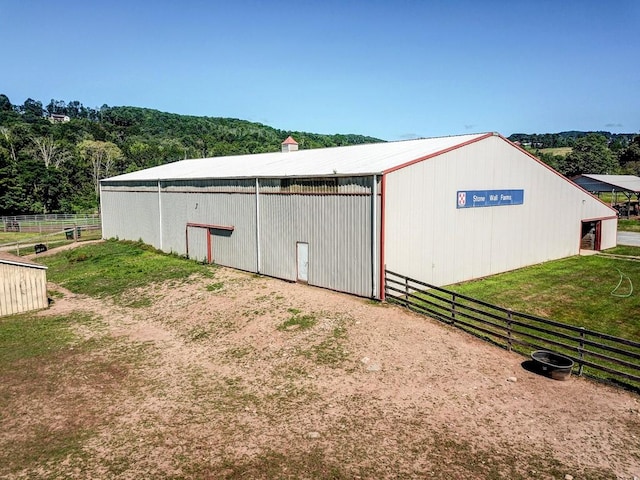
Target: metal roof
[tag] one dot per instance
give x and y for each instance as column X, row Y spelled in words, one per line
column 608, row 183
column 367, row 159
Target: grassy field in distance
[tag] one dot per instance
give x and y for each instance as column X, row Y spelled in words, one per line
column 561, row 151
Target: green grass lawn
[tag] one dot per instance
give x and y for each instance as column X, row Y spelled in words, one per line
column 112, row 267
column 578, row 290
column 628, row 225
column 11, row 237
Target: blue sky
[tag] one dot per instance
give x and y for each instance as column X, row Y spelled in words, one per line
column 389, row 69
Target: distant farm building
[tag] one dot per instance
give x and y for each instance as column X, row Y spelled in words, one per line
column 440, row 210
column 58, row 118
column 625, row 190
column 23, row 285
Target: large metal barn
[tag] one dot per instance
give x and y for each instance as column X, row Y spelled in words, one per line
column 441, row 210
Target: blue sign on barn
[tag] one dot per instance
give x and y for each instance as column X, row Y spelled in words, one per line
column 489, row 198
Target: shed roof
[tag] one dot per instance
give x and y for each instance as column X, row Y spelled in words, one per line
column 9, row 258
column 366, row 159
column 607, row 183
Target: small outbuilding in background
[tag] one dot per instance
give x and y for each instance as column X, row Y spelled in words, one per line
column 23, row 285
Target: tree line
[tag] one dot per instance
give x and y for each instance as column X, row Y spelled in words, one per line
column 53, row 156
column 591, row 152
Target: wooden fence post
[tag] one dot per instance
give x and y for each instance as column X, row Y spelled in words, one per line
column 406, row 288
column 581, row 350
column 509, row 343
column 453, row 309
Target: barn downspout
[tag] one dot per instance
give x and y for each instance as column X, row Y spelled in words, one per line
column 160, row 213
column 374, row 236
column 258, row 259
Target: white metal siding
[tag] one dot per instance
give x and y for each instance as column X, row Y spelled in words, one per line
column 131, row 215
column 428, row 238
column 337, row 229
column 236, row 210
column 609, row 231
column 22, row 289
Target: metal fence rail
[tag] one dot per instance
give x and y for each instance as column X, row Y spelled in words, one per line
column 36, row 243
column 594, row 353
column 46, row 222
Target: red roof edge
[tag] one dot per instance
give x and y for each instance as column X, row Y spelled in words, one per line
column 557, row 173
column 440, row 152
column 289, row 141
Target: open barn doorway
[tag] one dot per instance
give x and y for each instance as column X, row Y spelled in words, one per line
column 590, row 236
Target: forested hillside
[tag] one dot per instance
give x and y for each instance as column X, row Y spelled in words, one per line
column 54, row 164
column 53, row 156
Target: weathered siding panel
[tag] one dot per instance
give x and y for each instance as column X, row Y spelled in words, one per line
column 22, row 289
column 429, row 239
column 131, row 215
column 337, row 229
column 237, row 210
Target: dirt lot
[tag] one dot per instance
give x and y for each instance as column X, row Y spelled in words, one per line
column 251, row 377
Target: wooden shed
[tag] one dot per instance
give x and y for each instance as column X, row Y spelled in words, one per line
column 23, row 285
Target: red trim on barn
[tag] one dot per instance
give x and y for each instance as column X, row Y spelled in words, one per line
column 206, row 225
column 207, row 228
column 557, row 173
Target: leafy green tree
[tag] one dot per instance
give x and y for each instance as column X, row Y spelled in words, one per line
column 32, row 110
column 630, row 158
column 590, row 154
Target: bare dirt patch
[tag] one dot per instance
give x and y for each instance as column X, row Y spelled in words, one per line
column 250, row 377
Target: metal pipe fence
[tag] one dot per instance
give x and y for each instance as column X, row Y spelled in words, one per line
column 595, row 354
column 42, row 242
column 47, row 222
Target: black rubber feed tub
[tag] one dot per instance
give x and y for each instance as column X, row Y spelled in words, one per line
column 553, row 364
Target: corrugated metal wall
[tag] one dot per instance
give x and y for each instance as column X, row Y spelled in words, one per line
column 429, row 239
column 22, row 289
column 337, row 229
column 131, row 215
column 334, row 216
column 236, row 210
